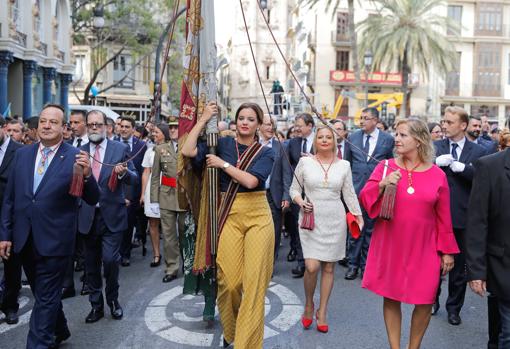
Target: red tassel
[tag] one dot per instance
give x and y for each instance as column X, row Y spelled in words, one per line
column 76, row 189
column 112, row 182
column 308, row 221
column 388, row 202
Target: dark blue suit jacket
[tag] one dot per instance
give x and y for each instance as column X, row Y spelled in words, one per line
column 51, row 213
column 490, row 146
column 5, row 167
column 281, row 174
column 360, row 167
column 134, row 189
column 460, row 183
column 112, row 205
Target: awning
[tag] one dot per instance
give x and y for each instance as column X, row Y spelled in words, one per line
column 128, row 99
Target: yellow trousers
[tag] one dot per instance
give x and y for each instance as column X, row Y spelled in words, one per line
column 245, row 265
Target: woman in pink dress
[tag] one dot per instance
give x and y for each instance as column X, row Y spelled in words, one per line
column 408, row 252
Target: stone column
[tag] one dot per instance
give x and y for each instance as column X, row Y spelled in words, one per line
column 65, row 80
column 49, row 76
column 28, row 71
column 5, row 59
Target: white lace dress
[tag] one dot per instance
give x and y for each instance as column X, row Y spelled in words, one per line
column 327, row 241
column 151, row 209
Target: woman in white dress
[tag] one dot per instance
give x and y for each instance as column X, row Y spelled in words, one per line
column 160, row 134
column 326, row 180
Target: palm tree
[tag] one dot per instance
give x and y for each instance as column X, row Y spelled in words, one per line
column 408, row 34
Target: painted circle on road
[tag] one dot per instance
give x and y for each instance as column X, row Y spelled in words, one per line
column 177, row 318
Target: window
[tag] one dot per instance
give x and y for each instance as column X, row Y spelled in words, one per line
column 490, row 110
column 487, row 70
column 342, row 26
column 79, row 67
column 489, row 19
column 268, row 71
column 455, row 14
column 122, row 70
column 342, row 60
column 453, row 79
column 16, row 15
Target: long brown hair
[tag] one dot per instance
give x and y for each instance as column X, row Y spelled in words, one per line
column 253, row 106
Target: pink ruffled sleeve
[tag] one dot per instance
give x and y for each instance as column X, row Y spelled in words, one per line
column 446, row 243
column 369, row 196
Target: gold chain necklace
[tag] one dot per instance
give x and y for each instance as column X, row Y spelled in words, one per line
column 325, row 182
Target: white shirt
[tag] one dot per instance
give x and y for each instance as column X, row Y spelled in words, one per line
column 460, row 147
column 175, row 144
column 3, row 148
column 374, row 136
column 309, row 142
column 51, row 155
column 84, row 140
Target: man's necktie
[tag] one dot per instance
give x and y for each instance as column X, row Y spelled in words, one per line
column 176, row 146
column 305, row 147
column 96, row 165
column 127, row 142
column 339, row 151
column 454, row 151
column 366, row 146
column 78, row 142
column 41, row 167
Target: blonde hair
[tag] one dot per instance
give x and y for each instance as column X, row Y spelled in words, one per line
column 504, row 138
column 420, row 133
column 322, row 127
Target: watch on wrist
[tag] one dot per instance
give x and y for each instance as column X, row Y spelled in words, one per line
column 226, row 165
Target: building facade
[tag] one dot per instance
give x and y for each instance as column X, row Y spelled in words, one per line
column 481, row 81
column 35, row 55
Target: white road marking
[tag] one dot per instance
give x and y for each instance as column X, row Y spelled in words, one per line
column 182, row 336
column 287, row 318
column 23, row 319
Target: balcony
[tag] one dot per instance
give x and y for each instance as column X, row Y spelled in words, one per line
column 346, row 77
column 340, row 39
column 486, row 90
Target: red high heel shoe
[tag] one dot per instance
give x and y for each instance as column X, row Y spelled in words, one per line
column 321, row 328
column 306, row 322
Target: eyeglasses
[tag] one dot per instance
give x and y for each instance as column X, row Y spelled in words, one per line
column 94, row 125
column 367, row 118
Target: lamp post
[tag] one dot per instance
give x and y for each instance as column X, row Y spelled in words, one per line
column 368, row 65
column 98, row 23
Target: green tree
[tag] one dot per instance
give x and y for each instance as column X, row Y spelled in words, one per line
column 410, row 36
column 132, row 26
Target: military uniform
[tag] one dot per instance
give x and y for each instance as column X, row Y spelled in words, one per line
column 164, row 191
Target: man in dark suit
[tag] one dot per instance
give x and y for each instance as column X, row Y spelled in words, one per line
column 379, row 145
column 473, row 134
column 297, row 147
column 12, row 267
column 103, row 225
column 38, row 215
column 137, row 149
column 487, row 237
column 343, row 149
column 455, row 155
column 277, row 184
column 78, row 126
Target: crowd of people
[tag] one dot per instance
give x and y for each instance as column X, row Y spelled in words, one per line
column 327, row 189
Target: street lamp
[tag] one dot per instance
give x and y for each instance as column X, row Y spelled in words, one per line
column 263, row 4
column 368, row 65
column 98, row 21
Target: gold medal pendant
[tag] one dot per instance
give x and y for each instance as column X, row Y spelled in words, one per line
column 40, row 170
column 325, row 184
column 410, row 190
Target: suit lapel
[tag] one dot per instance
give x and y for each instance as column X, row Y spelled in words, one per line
column 55, row 164
column 466, row 152
column 9, row 154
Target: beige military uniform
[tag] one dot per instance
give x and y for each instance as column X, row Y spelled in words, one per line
column 172, row 217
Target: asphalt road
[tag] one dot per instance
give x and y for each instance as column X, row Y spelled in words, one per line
column 157, row 315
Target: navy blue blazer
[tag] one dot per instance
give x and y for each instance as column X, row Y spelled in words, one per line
column 360, row 167
column 460, row 183
column 134, row 189
column 5, row 168
column 490, row 146
column 281, row 174
column 50, row 214
column 112, row 205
